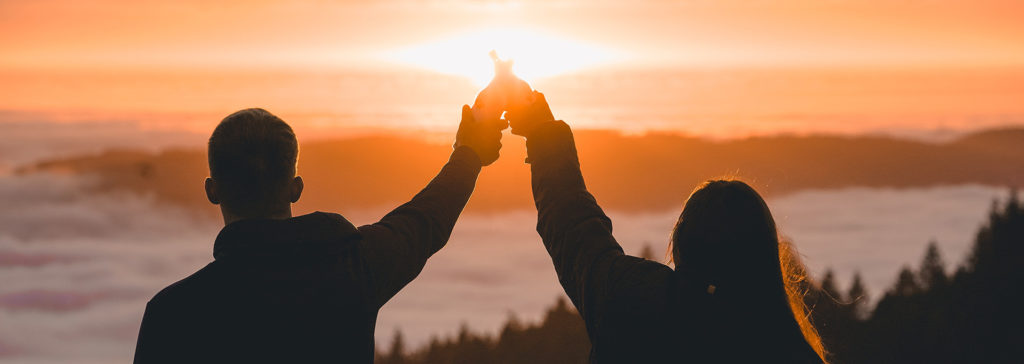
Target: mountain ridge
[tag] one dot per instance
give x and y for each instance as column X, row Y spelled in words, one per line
column 655, row 171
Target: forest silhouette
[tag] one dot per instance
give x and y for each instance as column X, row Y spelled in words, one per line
column 970, row 314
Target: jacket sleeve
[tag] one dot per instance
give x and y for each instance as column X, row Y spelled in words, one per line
column 576, row 232
column 397, row 247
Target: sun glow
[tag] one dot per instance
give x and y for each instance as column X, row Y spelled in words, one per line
column 536, row 54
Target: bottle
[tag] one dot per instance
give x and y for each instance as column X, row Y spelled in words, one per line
column 505, row 92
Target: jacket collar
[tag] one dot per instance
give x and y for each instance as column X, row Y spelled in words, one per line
column 313, row 234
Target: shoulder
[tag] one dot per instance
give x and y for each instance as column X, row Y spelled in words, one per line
column 187, row 288
column 324, row 228
column 330, row 219
column 641, row 287
column 642, row 275
column 637, row 322
column 328, row 216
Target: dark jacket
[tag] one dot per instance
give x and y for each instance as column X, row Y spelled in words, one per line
column 305, row 289
column 635, row 310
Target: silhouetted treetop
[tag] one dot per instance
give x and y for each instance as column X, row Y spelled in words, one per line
column 932, row 274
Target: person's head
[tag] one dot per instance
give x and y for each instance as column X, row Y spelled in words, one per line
column 252, row 156
column 726, row 237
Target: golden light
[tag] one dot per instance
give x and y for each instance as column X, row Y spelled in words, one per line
column 536, row 54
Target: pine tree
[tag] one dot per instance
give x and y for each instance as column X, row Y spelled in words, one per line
column 512, row 325
column 828, row 285
column 932, row 274
column 396, row 354
column 647, row 252
column 906, row 284
column 826, row 312
column 858, row 296
column 1013, row 202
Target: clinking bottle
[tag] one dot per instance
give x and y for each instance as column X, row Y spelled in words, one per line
column 505, row 92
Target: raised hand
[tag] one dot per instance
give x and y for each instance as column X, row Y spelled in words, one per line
column 524, row 120
column 482, row 138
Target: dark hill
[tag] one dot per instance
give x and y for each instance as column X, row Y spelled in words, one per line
column 649, row 172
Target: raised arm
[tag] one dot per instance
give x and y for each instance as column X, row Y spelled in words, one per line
column 575, row 231
column 397, row 247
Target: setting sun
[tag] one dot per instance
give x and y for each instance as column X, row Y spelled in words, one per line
column 536, row 54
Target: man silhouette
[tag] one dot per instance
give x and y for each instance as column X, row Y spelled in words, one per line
column 306, row 288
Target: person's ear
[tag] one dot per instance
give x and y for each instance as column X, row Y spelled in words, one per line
column 211, row 191
column 296, row 189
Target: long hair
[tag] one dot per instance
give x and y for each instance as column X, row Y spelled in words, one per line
column 726, row 240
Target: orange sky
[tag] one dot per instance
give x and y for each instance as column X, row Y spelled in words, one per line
column 851, row 66
column 108, row 33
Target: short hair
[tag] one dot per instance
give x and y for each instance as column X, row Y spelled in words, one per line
column 252, row 155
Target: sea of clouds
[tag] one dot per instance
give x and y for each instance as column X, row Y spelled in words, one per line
column 77, row 268
column 27, row 137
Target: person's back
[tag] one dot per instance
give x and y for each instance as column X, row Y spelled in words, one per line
column 726, row 300
column 651, row 313
column 279, row 290
column 306, row 288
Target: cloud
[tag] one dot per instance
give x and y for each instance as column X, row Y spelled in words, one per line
column 877, row 231
column 32, row 136
column 44, row 300
column 15, row 259
column 78, row 267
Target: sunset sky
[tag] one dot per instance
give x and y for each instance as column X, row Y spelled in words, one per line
column 107, row 33
column 337, row 61
column 872, row 126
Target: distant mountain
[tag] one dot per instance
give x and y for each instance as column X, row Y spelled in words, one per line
column 648, row 172
column 1007, row 140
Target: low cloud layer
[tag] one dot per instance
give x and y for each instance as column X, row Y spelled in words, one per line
column 27, row 137
column 78, row 267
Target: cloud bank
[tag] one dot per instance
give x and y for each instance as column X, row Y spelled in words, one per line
column 78, row 267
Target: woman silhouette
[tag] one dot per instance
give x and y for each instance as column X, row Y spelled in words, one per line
column 733, row 296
